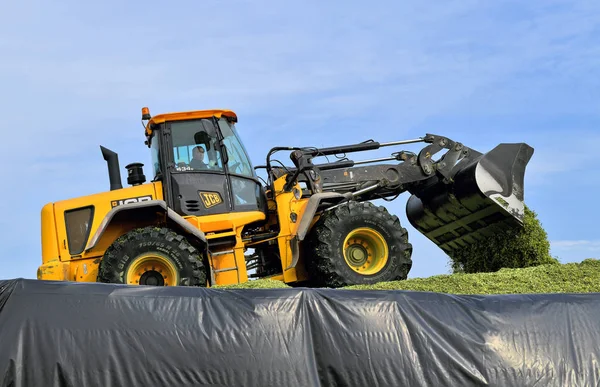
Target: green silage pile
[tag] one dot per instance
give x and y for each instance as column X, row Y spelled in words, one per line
column 510, row 263
column 583, row 277
column 256, row 284
column 522, row 247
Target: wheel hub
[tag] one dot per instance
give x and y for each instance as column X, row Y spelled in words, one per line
column 365, row 251
column 357, row 255
column 152, row 270
column 152, row 278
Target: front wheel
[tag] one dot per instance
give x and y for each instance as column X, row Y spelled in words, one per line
column 357, row 244
column 154, row 256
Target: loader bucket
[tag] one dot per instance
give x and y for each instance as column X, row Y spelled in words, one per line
column 485, row 197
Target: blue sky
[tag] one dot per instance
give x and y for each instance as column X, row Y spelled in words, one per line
column 75, row 75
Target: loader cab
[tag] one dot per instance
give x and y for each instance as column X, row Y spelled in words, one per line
column 202, row 163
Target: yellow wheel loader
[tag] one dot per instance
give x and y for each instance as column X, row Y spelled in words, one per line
column 206, row 218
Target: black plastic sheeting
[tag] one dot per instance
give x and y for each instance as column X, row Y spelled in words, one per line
column 77, row 334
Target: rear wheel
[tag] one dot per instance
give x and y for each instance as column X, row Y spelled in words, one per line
column 154, row 256
column 357, row 243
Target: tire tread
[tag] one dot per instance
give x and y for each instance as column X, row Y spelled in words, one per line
column 324, row 263
column 109, row 272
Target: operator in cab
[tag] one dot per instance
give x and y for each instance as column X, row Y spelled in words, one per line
column 197, row 161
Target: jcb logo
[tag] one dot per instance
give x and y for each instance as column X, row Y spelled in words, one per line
column 210, row 199
column 138, row 199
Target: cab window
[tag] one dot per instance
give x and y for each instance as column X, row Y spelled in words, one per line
column 78, row 223
column 155, row 157
column 195, row 146
column 238, row 162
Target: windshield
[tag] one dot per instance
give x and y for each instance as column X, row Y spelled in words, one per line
column 238, row 157
column 196, row 147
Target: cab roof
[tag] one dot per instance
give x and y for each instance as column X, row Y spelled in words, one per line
column 188, row 115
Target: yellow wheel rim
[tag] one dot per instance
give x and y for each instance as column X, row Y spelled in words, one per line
column 152, row 269
column 365, row 251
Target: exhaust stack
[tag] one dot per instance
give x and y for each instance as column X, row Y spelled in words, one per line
column 112, row 161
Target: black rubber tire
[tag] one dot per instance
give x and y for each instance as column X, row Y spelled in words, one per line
column 185, row 257
column 324, row 257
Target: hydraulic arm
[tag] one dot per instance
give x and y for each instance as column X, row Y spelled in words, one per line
column 457, row 198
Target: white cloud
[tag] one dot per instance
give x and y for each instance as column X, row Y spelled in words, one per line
column 422, row 62
column 585, row 245
column 566, row 157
